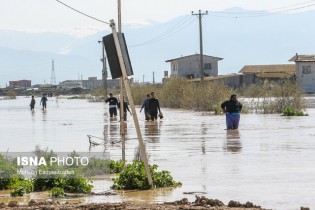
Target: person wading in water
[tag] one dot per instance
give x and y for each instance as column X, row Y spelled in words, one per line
column 113, row 103
column 32, row 103
column 154, row 107
column 126, row 108
column 43, row 101
column 145, row 105
column 232, row 109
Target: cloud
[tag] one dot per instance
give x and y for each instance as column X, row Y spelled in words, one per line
column 78, row 32
column 65, row 50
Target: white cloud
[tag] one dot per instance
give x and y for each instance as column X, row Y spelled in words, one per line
column 51, row 16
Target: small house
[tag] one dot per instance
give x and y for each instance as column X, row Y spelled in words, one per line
column 305, row 72
column 189, row 66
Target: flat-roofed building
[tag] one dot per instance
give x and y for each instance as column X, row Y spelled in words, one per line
column 20, row 84
column 271, row 72
column 305, row 72
column 189, row 66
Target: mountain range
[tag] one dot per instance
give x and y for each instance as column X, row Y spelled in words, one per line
column 240, row 40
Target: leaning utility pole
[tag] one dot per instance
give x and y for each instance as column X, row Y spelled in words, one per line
column 143, row 152
column 201, row 48
column 122, row 120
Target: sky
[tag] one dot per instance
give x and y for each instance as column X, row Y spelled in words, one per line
column 52, row 16
column 35, row 16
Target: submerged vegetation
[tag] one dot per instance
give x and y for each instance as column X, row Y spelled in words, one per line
column 180, row 93
column 264, row 98
column 134, row 177
column 11, row 94
column 79, row 181
column 272, row 98
column 289, row 111
column 130, row 176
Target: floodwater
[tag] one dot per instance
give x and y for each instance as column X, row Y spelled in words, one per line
column 268, row 161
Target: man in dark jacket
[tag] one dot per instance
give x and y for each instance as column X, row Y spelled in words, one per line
column 113, row 103
column 154, row 107
column 232, row 109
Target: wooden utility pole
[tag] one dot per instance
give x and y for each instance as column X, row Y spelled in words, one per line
column 201, row 45
column 122, row 120
column 104, row 72
column 153, row 78
column 119, row 16
column 144, row 156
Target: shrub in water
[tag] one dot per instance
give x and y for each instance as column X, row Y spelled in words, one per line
column 289, row 111
column 273, row 97
column 116, row 166
column 21, row 187
column 57, row 192
column 8, row 169
column 134, row 177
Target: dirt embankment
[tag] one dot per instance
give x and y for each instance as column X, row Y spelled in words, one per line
column 200, row 203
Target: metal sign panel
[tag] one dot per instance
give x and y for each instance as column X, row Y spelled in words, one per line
column 112, row 56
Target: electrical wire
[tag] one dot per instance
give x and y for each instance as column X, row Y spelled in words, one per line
column 83, row 13
column 260, row 13
column 171, row 31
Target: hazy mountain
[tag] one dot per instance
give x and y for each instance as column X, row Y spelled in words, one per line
column 267, row 39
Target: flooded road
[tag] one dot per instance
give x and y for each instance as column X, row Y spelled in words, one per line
column 268, row 161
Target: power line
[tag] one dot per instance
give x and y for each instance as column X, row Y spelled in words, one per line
column 179, row 23
column 260, row 13
column 280, row 12
column 263, row 11
column 183, row 23
column 83, row 13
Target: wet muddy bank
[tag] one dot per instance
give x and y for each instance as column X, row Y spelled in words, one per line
column 199, row 203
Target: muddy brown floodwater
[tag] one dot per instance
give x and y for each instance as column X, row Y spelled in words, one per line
column 268, row 161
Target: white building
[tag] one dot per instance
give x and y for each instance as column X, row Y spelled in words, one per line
column 305, row 72
column 189, row 66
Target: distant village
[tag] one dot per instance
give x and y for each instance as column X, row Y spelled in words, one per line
column 302, row 70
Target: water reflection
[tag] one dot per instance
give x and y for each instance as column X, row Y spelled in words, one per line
column 152, row 131
column 105, row 133
column 112, row 131
column 204, row 130
column 147, row 195
column 44, row 115
column 233, row 143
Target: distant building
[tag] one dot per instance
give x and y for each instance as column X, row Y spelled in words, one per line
column 254, row 74
column 232, row 80
column 69, row 84
column 20, row 84
column 189, row 66
column 305, row 72
column 270, row 72
column 114, row 83
column 90, row 83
